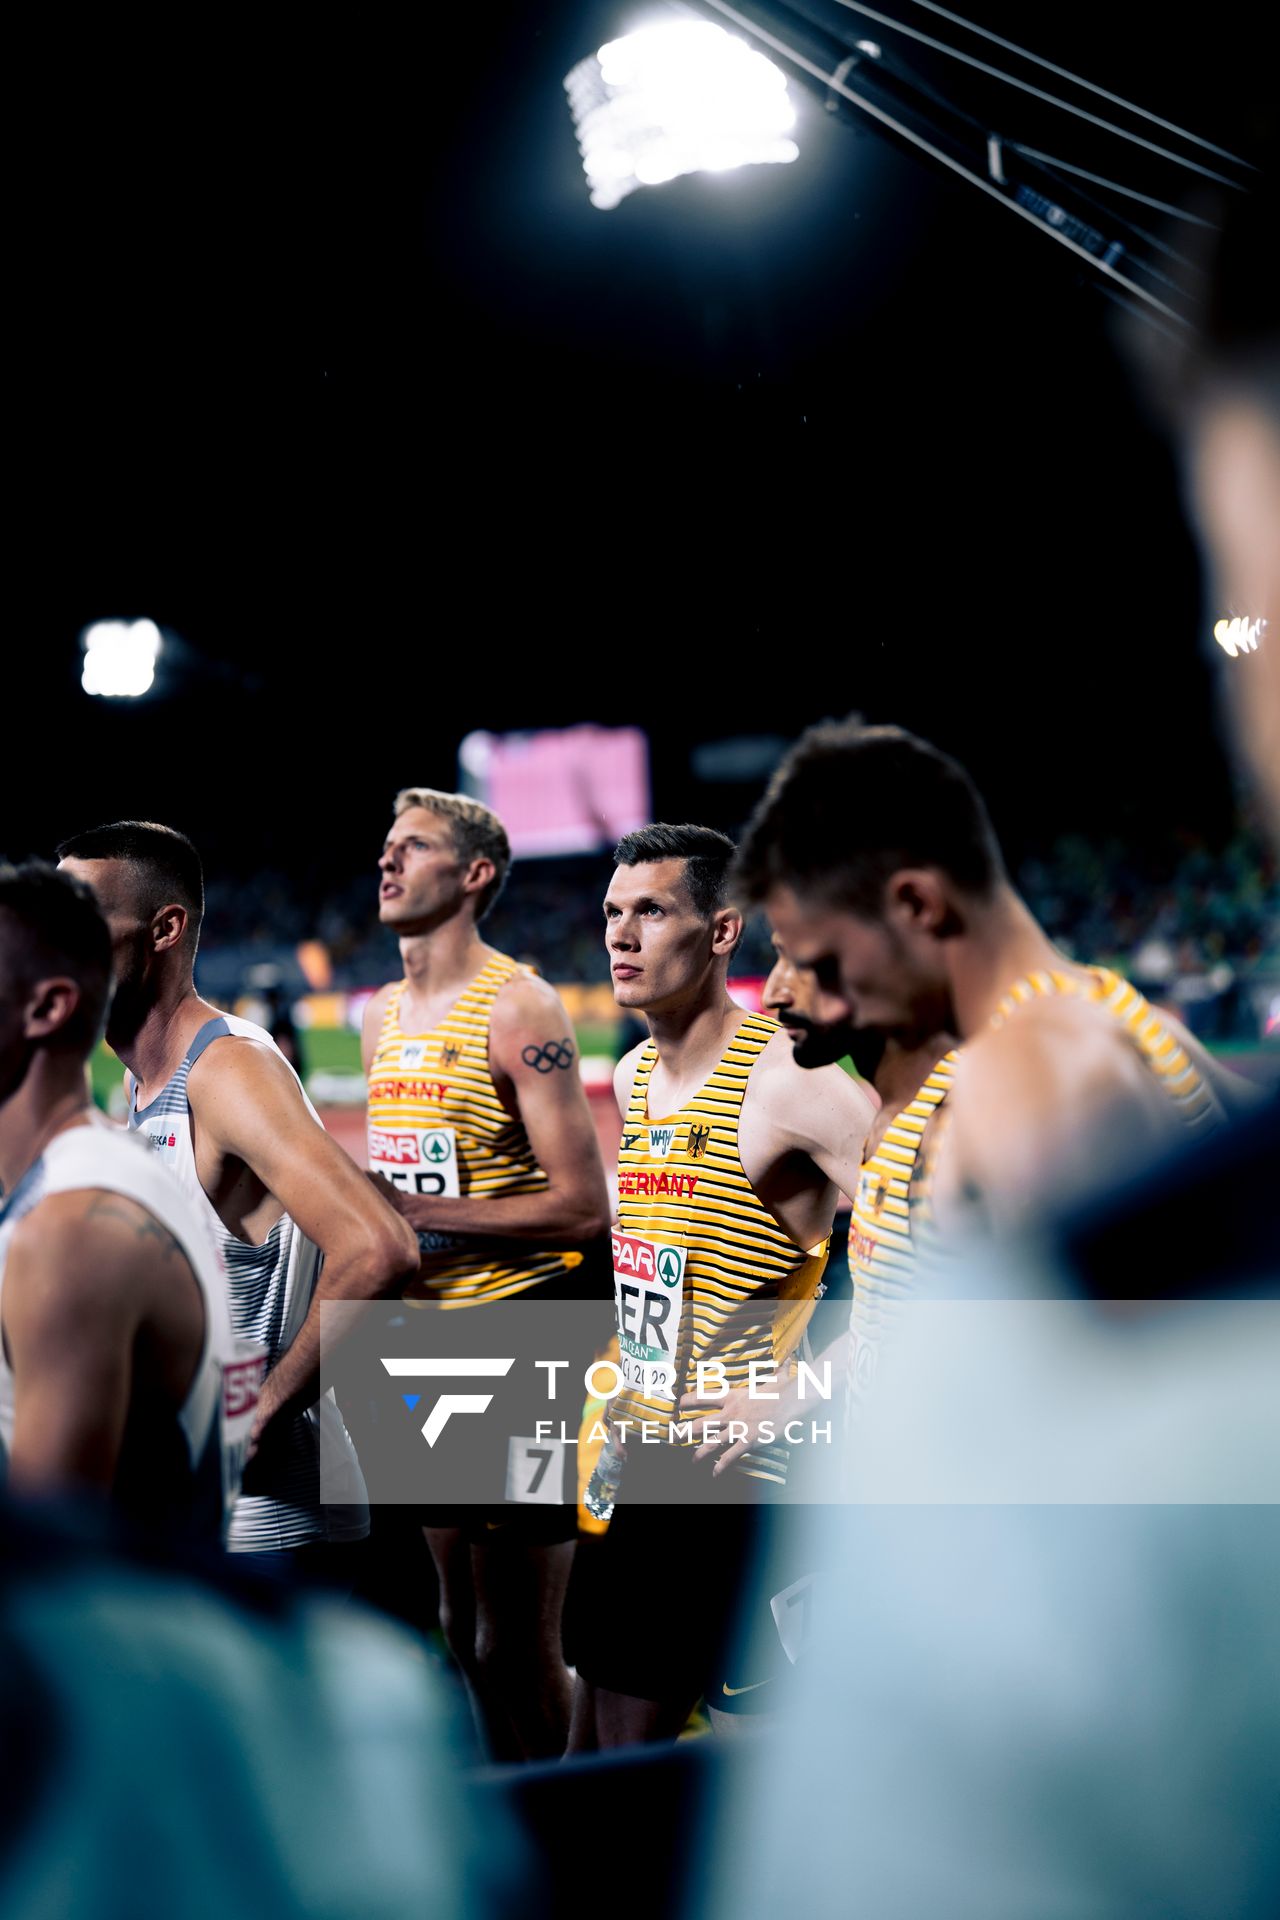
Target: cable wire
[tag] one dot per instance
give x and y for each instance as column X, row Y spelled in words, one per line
column 1077, row 80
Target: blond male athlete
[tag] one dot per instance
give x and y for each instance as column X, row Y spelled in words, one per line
column 480, row 1133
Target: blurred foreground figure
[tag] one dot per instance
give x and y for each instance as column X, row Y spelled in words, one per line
column 226, row 1114
column 113, row 1302
column 1074, row 1708
column 874, row 857
column 191, row 1752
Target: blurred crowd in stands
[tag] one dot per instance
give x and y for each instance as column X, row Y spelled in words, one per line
column 1189, row 923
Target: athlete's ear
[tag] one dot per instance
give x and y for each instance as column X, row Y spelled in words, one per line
column 479, row 874
column 916, row 901
column 726, row 931
column 49, row 1007
column 168, row 925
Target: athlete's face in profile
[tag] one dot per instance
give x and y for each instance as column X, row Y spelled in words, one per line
column 421, row 873
column 660, row 948
column 791, row 996
column 862, row 972
column 115, row 887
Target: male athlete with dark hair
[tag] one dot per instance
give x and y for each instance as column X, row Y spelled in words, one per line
column 877, row 863
column 912, row 1076
column 728, row 1174
column 114, row 1329
column 479, row 1120
column 227, row 1113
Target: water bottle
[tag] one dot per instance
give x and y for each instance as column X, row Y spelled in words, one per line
column 602, row 1488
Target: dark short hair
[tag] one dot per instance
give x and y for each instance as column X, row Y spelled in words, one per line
column 707, row 857
column 50, row 923
column 851, row 805
column 167, row 864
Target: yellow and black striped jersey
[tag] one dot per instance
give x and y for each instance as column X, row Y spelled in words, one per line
column 1195, row 1101
column 884, row 1230
column 702, row 1270
column 437, row 1126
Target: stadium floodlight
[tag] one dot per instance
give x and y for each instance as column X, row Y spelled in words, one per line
column 119, row 657
column 1239, row 635
column 676, row 97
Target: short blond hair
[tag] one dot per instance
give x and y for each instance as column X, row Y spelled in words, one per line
column 478, row 834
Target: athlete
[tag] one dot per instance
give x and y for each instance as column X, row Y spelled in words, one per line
column 911, row 1076
column 226, row 1112
column 113, row 1302
column 728, row 1174
column 878, row 866
column 473, row 1075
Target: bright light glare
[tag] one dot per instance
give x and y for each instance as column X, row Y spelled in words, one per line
column 682, row 97
column 120, row 657
column 1239, row 635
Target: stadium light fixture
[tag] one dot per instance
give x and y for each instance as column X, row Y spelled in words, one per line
column 1239, row 634
column 119, row 657
column 676, row 97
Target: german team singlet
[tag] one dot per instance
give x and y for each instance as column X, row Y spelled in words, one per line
column 1197, row 1105
column 437, row 1126
column 884, row 1231
column 702, row 1270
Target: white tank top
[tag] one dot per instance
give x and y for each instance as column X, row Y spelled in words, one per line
column 181, row 1494
column 271, row 1288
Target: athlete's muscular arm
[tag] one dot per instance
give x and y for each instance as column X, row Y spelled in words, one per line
column 1043, row 1108
column 246, row 1103
column 532, row 1052
column 79, row 1275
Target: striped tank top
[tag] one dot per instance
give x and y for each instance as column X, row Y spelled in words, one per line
column 437, row 1126
column 702, row 1270
column 885, row 1229
column 270, row 1291
column 1196, row 1103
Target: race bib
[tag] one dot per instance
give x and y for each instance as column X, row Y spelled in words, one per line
column 535, row 1472
column 417, row 1159
column 648, row 1288
column 242, row 1379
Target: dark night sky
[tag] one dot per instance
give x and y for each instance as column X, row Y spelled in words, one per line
column 325, row 362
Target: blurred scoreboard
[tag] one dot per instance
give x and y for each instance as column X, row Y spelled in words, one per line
column 567, row 790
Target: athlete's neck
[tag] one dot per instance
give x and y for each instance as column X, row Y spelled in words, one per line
column 155, row 1052
column 445, row 960
column 903, row 1070
column 54, row 1094
column 1002, row 942
column 690, row 1038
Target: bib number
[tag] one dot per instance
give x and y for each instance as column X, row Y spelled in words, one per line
column 648, row 1291
column 242, row 1378
column 417, row 1159
column 535, row 1472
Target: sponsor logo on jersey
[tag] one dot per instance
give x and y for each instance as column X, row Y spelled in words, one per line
column 680, row 1185
column 400, row 1149
column 433, row 1090
column 161, row 1141
column 413, row 1053
column 648, row 1259
column 660, row 1139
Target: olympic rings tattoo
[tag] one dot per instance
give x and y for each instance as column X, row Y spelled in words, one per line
column 557, row 1053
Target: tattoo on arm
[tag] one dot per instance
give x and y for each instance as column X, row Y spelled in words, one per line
column 144, row 1226
column 557, row 1053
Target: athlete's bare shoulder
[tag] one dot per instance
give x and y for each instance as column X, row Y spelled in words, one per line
column 624, row 1076
column 371, row 1020
column 90, row 1249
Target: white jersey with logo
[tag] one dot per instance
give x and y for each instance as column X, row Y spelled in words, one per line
column 271, row 1289
column 177, row 1491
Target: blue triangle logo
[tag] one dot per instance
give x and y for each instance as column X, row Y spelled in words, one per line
column 411, row 1400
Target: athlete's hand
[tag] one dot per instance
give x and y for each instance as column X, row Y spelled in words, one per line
column 720, row 1411
column 413, row 1207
